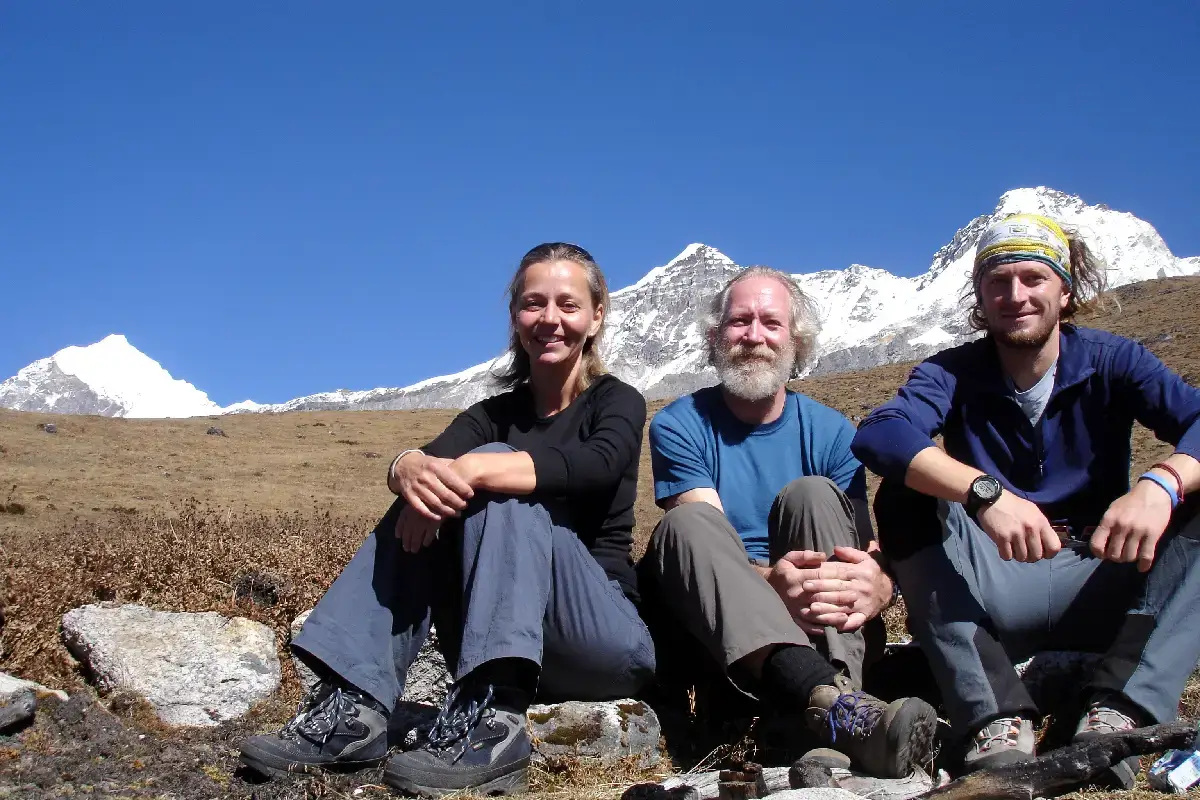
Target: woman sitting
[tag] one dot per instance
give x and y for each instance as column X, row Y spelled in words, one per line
column 512, row 534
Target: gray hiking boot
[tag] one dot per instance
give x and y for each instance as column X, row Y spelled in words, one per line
column 887, row 740
column 1111, row 715
column 471, row 746
column 335, row 728
column 1007, row 740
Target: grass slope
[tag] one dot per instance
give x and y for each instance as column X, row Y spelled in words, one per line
column 257, row 523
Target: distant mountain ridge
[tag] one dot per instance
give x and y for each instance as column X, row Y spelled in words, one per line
column 654, row 338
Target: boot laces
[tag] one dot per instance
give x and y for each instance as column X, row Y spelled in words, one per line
column 853, row 713
column 456, row 720
column 321, row 711
column 1005, row 731
column 1106, row 719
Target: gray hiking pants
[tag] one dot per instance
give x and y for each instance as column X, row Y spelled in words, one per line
column 504, row 582
column 975, row 615
column 702, row 576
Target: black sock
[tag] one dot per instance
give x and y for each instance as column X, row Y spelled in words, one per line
column 513, row 680
column 793, row 671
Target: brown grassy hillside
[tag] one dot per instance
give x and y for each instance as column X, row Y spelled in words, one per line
column 162, row 513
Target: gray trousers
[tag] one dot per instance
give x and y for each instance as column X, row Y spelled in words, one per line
column 504, row 582
column 975, row 615
column 703, row 577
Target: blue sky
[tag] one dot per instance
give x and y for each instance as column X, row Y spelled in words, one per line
column 274, row 199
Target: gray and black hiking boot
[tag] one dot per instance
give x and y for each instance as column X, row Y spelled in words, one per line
column 335, row 728
column 1007, row 740
column 887, row 740
column 1111, row 715
column 471, row 745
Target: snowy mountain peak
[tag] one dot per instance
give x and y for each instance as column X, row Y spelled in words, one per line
column 110, row 377
column 655, row 336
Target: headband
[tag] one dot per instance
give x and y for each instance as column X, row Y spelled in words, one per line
column 1025, row 237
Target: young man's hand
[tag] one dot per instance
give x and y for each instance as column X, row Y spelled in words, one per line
column 1019, row 529
column 1132, row 526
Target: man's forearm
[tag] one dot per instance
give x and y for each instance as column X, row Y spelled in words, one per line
column 932, row 472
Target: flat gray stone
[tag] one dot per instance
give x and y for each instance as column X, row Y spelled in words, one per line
column 605, row 731
column 10, row 685
column 775, row 783
column 815, row 794
column 195, row 669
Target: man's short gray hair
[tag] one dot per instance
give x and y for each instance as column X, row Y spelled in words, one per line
column 803, row 318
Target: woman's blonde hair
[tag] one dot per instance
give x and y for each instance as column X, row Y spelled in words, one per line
column 1089, row 282
column 518, row 369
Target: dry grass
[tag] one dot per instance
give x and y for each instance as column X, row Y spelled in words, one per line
column 160, row 513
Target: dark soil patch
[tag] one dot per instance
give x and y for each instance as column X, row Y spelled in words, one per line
column 81, row 748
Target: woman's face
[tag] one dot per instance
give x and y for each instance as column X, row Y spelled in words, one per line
column 555, row 314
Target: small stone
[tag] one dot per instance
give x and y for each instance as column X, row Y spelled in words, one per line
column 605, row 731
column 215, row 431
column 50, row 427
column 17, row 709
column 10, row 685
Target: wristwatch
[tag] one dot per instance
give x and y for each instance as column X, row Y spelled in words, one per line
column 984, row 491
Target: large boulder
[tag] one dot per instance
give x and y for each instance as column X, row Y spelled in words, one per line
column 427, row 681
column 604, row 731
column 195, row 669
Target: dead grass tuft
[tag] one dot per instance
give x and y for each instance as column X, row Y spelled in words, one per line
column 267, row 567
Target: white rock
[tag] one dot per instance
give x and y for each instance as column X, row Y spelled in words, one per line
column 815, row 794
column 194, row 669
column 10, row 685
column 605, row 731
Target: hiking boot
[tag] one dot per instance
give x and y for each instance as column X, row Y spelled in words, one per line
column 887, row 740
column 1111, row 715
column 471, row 745
column 336, row 728
column 1007, row 740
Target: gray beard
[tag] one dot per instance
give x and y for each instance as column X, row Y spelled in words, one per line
column 754, row 379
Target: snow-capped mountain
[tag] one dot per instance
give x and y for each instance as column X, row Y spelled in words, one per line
column 654, row 338
column 111, row 378
column 869, row 316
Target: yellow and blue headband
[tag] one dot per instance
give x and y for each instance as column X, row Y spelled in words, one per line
column 1025, row 237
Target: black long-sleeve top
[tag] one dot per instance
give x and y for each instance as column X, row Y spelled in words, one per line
column 585, row 460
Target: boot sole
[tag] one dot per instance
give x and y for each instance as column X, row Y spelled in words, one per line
column 910, row 738
column 278, row 767
column 511, row 783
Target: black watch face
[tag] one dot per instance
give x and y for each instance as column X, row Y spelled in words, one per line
column 986, row 488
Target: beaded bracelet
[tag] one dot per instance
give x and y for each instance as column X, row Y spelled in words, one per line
column 1161, row 481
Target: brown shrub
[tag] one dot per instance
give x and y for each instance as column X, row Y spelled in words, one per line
column 265, row 566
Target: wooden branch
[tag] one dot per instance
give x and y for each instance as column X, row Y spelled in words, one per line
column 1065, row 768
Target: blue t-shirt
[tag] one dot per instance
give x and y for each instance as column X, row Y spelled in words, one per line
column 696, row 442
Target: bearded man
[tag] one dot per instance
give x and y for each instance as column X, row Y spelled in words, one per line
column 762, row 494
column 1023, row 534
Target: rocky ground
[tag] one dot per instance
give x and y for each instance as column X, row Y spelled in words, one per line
column 256, row 523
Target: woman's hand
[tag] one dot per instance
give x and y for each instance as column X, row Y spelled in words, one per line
column 433, row 491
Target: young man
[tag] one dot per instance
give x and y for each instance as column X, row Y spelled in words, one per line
column 760, row 489
column 1024, row 533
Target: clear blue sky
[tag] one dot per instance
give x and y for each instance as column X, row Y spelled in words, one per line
column 274, row 199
